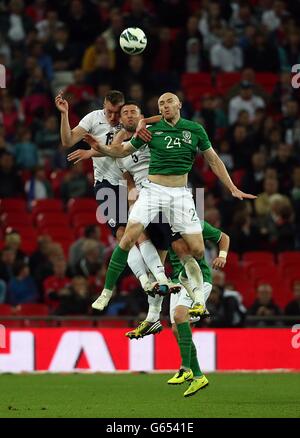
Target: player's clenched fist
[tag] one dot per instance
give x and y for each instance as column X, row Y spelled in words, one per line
column 61, row 103
column 219, row 263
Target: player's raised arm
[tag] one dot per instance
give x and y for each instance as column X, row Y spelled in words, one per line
column 219, row 169
column 220, row 261
column 69, row 136
column 142, row 131
column 116, row 150
column 83, row 154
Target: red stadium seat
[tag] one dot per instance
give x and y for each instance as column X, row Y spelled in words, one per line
column 190, row 80
column 59, row 233
column 56, row 179
column 105, row 233
column 258, row 256
column 33, row 310
column 27, row 232
column 5, row 310
column 50, row 219
column 80, row 205
column 84, row 219
column 29, row 246
column 12, row 204
column 233, row 258
column 46, row 205
column 288, row 257
column 16, row 218
column 267, row 81
column 225, row 81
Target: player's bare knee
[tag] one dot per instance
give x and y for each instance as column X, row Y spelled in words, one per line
column 198, row 253
column 174, row 330
column 120, row 233
column 180, row 315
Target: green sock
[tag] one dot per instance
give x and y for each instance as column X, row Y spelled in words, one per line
column 194, row 362
column 185, row 343
column 116, row 266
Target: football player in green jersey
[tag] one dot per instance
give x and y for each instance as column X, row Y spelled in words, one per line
column 173, row 147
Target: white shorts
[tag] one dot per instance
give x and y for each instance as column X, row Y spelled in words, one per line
column 176, row 203
column 183, row 299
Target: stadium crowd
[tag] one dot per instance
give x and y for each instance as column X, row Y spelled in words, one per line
column 240, row 56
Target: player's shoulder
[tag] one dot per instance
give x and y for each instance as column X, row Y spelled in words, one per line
column 192, row 125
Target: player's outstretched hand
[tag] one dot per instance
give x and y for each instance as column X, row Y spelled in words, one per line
column 142, row 131
column 61, row 103
column 219, row 263
column 236, row 193
column 79, row 155
column 92, row 141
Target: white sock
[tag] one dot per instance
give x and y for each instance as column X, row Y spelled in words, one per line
column 153, row 262
column 137, row 265
column 154, row 308
column 195, row 278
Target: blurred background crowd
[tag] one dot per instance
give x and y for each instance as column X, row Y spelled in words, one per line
column 229, row 62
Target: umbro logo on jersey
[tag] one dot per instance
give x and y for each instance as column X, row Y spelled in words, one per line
column 158, row 132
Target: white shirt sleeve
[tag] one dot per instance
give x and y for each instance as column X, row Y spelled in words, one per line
column 86, row 122
column 234, row 109
column 215, row 53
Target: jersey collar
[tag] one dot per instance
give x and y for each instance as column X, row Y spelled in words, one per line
column 173, row 126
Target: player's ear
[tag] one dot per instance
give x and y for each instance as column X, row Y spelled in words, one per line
column 179, row 105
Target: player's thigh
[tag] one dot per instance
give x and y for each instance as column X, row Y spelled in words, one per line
column 182, row 212
column 182, row 299
column 180, row 247
column 146, row 207
column 132, row 232
column 195, row 244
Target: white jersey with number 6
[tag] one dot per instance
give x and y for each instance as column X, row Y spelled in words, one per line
column 95, row 123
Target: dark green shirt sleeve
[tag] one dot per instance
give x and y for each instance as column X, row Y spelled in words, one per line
column 137, row 142
column 203, row 140
column 211, row 233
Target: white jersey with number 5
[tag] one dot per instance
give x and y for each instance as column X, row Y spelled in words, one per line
column 137, row 164
column 95, row 123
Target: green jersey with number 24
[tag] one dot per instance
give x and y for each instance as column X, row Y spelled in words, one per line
column 173, row 148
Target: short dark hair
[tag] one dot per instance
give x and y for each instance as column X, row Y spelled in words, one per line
column 131, row 102
column 115, row 97
column 89, row 230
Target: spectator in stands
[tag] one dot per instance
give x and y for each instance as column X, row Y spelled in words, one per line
column 262, row 203
column 246, row 100
column 26, row 153
column 7, row 261
column 293, row 307
column 38, row 186
column 13, row 241
column 289, row 53
column 212, row 24
column 241, row 147
column 244, row 233
column 242, row 18
column 290, row 121
column 140, row 16
column 136, row 94
column 2, row 291
column 226, row 155
column 224, row 308
column 10, row 115
column 284, row 162
column 21, row 288
column 47, row 137
column 264, row 305
column 75, row 184
column 91, row 232
column 283, row 92
column 74, row 300
column 62, row 52
column 43, row 59
column 40, row 256
column 55, row 283
column 226, row 56
column 272, row 18
column 181, row 43
column 82, row 20
column 48, row 26
column 92, row 259
column 262, row 56
column 92, row 53
column 254, row 177
column 16, row 24
column 79, row 88
column 11, row 185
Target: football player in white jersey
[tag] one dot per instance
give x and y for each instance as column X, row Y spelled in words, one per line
column 103, row 124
